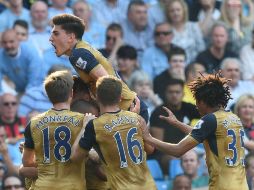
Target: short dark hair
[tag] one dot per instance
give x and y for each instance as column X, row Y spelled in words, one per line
column 175, row 51
column 136, row 2
column 127, row 52
column 58, row 67
column 79, row 86
column 58, row 86
column 211, row 89
column 83, row 106
column 71, row 24
column 21, row 23
column 115, row 27
column 174, row 81
column 109, row 90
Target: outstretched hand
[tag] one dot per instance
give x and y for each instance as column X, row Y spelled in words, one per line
column 135, row 107
column 171, row 118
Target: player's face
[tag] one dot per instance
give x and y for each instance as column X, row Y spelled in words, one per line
column 201, row 107
column 61, row 41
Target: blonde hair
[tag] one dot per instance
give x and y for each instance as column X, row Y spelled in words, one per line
column 240, row 102
column 185, row 10
column 224, row 15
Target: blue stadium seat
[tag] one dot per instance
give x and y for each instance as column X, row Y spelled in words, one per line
column 174, row 168
column 162, row 185
column 155, row 169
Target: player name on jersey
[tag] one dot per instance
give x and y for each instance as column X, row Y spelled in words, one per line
column 231, row 120
column 57, row 118
column 119, row 121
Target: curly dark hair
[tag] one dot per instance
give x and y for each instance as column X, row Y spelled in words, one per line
column 212, row 89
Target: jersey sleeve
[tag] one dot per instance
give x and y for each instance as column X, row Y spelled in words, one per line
column 29, row 142
column 204, row 128
column 83, row 59
column 88, row 138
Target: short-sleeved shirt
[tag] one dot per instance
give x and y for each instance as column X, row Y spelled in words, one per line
column 117, row 137
column 222, row 134
column 51, row 136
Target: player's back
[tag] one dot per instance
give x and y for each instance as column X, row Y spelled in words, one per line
column 83, row 63
column 225, row 153
column 120, row 142
column 54, row 133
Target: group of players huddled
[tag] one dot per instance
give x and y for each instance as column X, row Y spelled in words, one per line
column 68, row 150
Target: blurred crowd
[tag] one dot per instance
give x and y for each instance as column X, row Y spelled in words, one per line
column 157, row 47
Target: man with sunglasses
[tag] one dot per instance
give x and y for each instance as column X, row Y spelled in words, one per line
column 13, row 124
column 154, row 60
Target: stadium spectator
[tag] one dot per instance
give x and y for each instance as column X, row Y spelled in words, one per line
column 39, row 29
column 247, row 60
column 190, row 164
column 12, row 181
column 14, row 12
column 21, row 28
column 154, row 60
column 9, row 153
column 207, row 16
column 187, row 35
column 176, row 61
column 239, row 26
column 156, row 12
column 94, row 32
column 126, row 62
column 110, row 11
column 192, row 71
column 230, row 69
column 185, row 112
column 182, row 182
column 58, row 7
column 244, row 109
column 35, row 99
column 114, row 39
column 212, row 57
column 140, row 83
column 12, row 123
column 137, row 31
column 20, row 62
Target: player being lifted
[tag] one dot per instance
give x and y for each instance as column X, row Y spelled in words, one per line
column 220, row 131
column 50, row 135
column 89, row 63
column 117, row 137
